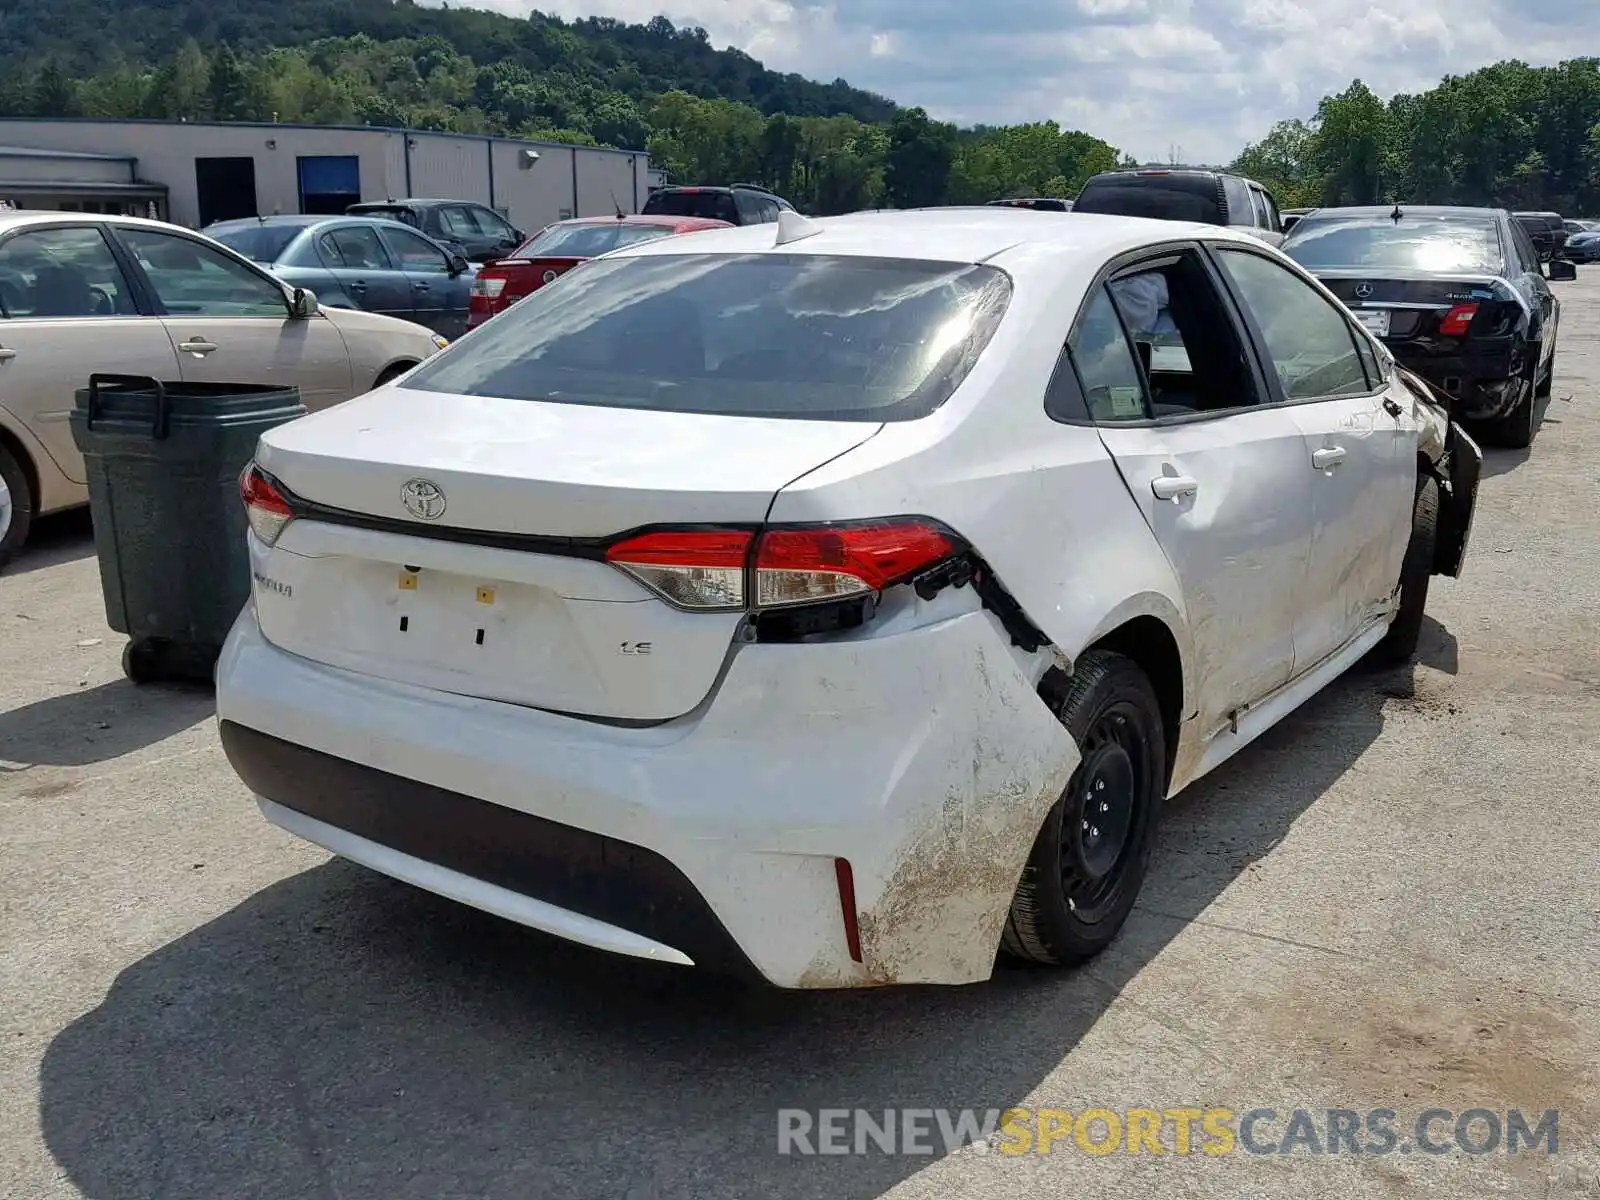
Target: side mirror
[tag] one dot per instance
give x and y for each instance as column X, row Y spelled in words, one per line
column 459, row 264
column 303, row 304
column 1562, row 271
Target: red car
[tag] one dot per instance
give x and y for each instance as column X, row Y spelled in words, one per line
column 562, row 246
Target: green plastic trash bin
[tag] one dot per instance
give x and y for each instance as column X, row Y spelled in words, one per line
column 163, row 463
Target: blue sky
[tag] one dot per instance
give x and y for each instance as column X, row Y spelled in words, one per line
column 1153, row 77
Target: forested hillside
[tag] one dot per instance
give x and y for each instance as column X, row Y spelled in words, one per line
column 1508, row 134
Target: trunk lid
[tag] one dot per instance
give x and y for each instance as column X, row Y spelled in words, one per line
column 1401, row 306
column 499, row 589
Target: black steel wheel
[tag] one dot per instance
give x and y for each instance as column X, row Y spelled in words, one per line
column 1090, row 858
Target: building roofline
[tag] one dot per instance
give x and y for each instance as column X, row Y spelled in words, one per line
column 384, row 129
column 31, row 152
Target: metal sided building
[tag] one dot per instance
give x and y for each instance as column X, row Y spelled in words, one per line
column 193, row 173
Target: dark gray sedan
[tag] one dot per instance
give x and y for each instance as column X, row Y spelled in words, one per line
column 359, row 262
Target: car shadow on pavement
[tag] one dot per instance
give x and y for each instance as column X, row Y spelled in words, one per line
column 96, row 724
column 341, row 1035
column 53, row 540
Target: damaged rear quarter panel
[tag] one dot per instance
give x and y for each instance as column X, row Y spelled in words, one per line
column 940, row 765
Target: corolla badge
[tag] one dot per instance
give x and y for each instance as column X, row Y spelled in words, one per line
column 1363, row 290
column 423, row 499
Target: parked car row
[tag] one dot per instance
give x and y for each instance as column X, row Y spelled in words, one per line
column 836, row 604
column 81, row 293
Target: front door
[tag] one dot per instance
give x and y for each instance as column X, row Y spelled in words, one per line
column 68, row 312
column 230, row 323
column 1359, row 450
column 1221, row 481
column 367, row 277
column 439, row 295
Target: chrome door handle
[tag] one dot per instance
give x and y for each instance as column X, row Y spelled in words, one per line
column 420, row 286
column 1173, row 487
column 1327, row 458
column 197, row 346
column 6, row 354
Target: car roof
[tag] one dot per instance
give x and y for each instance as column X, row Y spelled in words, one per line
column 36, row 217
column 969, row 235
column 1386, row 211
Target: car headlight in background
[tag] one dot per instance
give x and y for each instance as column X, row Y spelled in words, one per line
column 439, row 343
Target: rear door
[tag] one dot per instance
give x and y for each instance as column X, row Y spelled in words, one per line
column 230, row 323
column 67, row 310
column 366, row 274
column 1529, row 279
column 439, row 295
column 1221, row 479
column 1359, row 455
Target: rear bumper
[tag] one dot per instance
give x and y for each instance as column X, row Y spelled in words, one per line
column 923, row 758
column 1481, row 387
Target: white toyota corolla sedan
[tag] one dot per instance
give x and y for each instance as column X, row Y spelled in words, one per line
column 833, row 602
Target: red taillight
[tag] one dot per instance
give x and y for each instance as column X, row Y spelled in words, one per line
column 1458, row 320
column 706, row 569
column 796, row 566
column 265, row 506
column 700, row 569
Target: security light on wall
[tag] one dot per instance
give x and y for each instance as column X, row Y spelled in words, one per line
column 527, row 158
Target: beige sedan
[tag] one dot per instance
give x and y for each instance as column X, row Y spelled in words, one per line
column 81, row 293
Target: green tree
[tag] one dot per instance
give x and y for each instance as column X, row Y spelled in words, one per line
column 917, row 170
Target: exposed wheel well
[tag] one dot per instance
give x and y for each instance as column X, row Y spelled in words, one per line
column 1150, row 644
column 30, row 471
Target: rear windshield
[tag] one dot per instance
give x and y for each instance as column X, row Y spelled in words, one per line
column 1441, row 244
column 1165, row 197
column 718, row 206
column 383, row 210
column 588, row 241
column 259, row 243
column 814, row 337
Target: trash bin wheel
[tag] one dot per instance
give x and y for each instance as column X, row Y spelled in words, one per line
column 142, row 661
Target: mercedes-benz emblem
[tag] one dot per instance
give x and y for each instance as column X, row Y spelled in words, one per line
column 423, row 499
column 1363, row 290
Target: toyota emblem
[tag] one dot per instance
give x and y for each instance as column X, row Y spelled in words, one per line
column 1363, row 290
column 423, row 499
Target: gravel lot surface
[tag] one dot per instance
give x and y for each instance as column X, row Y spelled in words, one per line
column 1389, row 902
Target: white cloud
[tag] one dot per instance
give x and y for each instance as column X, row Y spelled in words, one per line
column 1146, row 75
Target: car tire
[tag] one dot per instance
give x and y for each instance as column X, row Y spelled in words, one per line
column 1399, row 644
column 390, row 374
column 16, row 506
column 1089, row 859
column 1515, row 430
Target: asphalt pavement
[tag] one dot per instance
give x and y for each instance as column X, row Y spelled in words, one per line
column 1389, row 902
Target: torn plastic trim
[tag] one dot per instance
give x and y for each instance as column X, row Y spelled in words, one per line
column 969, row 568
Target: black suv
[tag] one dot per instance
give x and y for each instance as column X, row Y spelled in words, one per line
column 738, row 204
column 1184, row 194
column 1548, row 231
column 478, row 233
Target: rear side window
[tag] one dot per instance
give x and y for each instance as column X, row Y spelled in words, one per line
column 816, row 337
column 719, row 206
column 259, row 243
column 1165, row 197
column 55, row 272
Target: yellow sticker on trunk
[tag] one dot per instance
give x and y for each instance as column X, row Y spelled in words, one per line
column 485, row 595
column 408, row 581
